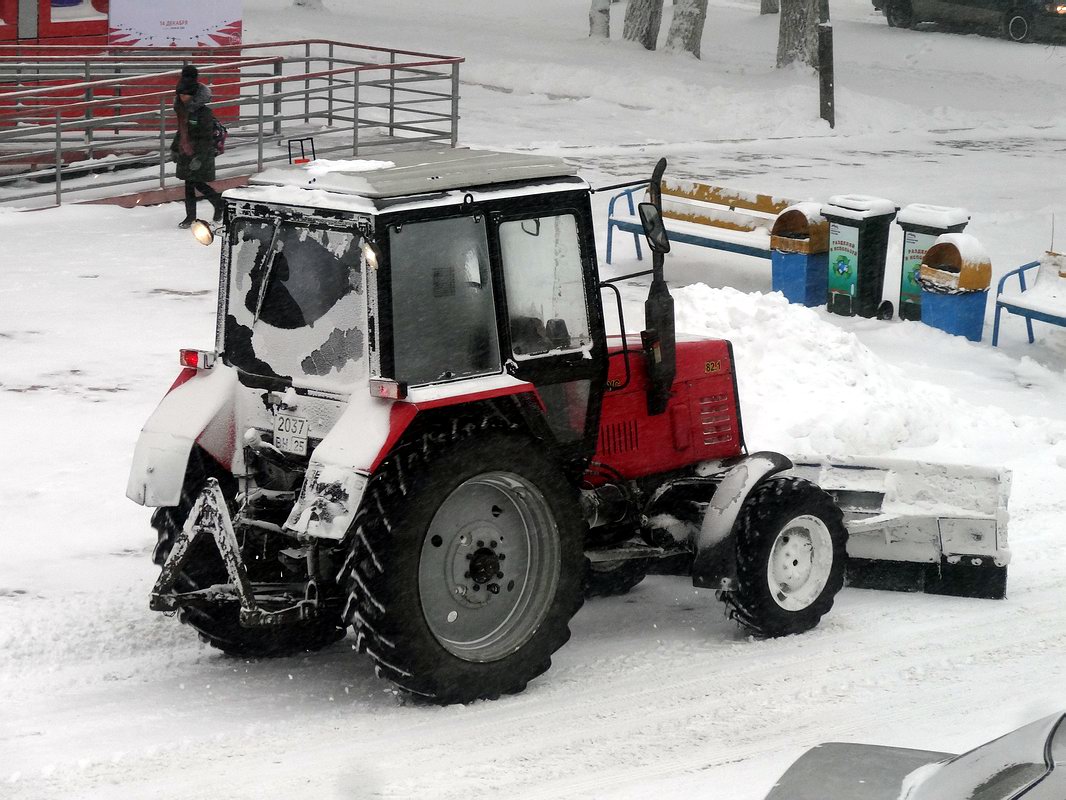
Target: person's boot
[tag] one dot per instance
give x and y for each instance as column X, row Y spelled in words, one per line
column 190, row 207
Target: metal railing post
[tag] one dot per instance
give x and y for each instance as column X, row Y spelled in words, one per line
column 259, row 162
column 278, row 65
column 307, row 83
column 455, row 104
column 59, row 160
column 329, row 113
column 355, row 112
column 162, row 143
column 88, row 111
column 392, row 93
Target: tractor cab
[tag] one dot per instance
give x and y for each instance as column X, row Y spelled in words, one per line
column 429, row 274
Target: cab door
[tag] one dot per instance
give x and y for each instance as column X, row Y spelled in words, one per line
column 552, row 326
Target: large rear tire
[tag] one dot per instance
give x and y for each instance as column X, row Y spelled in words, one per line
column 465, row 567
column 220, row 626
column 1018, row 25
column 899, row 14
column 791, row 557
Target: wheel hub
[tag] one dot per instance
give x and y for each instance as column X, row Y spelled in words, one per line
column 489, row 566
column 801, row 560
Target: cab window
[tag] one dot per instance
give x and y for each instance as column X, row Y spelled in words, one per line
column 444, row 319
column 545, row 289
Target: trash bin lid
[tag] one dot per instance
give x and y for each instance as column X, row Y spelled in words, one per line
column 926, row 216
column 858, row 206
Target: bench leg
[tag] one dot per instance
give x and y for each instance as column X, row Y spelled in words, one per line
column 995, row 326
column 1029, row 328
column 636, row 244
column 610, row 239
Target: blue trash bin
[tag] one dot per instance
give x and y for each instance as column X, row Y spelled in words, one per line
column 960, row 314
column 955, row 276
column 799, row 254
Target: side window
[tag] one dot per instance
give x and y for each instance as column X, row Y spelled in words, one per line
column 443, row 315
column 545, row 288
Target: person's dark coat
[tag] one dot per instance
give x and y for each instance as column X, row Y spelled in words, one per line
column 196, row 126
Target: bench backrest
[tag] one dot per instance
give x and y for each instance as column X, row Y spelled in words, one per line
column 722, row 208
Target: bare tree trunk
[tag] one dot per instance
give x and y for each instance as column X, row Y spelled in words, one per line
column 643, row 18
column 600, row 19
column 769, row 6
column 686, row 30
column 797, row 38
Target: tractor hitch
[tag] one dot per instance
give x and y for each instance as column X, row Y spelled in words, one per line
column 262, row 604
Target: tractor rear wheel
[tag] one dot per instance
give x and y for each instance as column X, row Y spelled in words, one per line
column 465, row 567
column 791, row 554
column 220, row 626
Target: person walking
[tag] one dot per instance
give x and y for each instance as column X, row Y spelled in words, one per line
column 193, row 148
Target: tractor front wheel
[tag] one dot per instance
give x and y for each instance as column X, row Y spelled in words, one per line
column 791, row 554
column 465, row 568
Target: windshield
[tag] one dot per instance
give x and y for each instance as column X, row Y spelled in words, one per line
column 295, row 306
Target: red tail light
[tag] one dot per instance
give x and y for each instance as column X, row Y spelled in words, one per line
column 196, row 359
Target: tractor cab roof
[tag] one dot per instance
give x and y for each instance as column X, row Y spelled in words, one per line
column 410, row 177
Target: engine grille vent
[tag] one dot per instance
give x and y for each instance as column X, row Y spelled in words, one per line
column 619, row 437
column 716, row 419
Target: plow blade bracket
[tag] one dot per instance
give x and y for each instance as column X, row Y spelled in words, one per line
column 920, row 526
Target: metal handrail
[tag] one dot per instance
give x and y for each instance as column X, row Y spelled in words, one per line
column 352, row 104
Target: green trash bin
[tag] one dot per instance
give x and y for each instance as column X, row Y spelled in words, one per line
column 921, row 226
column 858, row 244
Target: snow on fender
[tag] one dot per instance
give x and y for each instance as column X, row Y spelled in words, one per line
column 198, row 410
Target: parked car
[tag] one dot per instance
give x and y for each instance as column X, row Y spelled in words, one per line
column 1019, row 20
column 1027, row 764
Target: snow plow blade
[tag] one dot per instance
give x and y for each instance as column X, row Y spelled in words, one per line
column 920, row 526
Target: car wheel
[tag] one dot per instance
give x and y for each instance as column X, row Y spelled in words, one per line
column 1018, row 25
column 899, row 13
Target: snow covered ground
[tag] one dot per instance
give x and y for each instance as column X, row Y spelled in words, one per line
column 656, row 694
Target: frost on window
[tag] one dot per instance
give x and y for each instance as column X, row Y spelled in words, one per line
column 545, row 289
column 296, row 309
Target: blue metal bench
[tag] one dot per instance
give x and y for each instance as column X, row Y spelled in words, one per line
column 706, row 216
column 1045, row 301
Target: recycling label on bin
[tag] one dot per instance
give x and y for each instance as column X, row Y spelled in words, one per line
column 915, row 246
column 843, row 258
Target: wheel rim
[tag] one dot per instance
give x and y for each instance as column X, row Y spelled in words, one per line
column 801, row 561
column 1018, row 28
column 489, row 566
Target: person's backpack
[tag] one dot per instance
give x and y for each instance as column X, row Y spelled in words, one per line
column 220, row 133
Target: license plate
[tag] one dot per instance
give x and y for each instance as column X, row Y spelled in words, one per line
column 290, row 434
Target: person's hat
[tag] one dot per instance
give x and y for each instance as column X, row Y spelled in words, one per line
column 189, row 80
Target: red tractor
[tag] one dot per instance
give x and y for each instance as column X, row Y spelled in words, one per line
column 416, row 425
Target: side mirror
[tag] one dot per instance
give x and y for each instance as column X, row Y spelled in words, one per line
column 654, row 230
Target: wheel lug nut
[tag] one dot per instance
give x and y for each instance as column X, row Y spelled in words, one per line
column 480, row 543
column 499, row 574
column 492, row 545
column 494, row 588
column 460, row 590
column 502, row 556
column 466, row 574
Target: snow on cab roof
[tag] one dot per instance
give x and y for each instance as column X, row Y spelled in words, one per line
column 415, row 172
